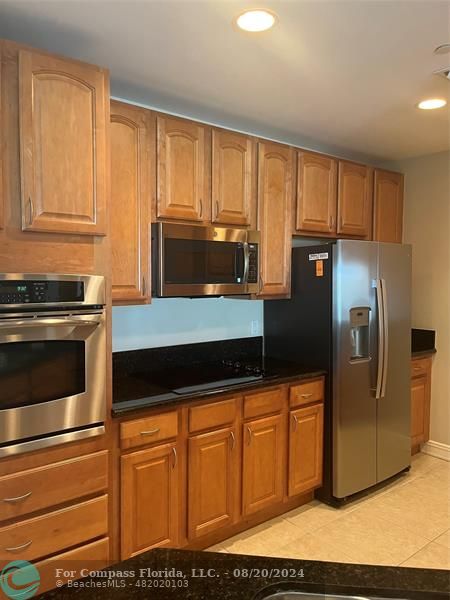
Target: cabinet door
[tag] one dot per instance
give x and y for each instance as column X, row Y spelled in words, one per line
column 131, row 172
column 64, row 109
column 419, row 409
column 150, row 502
column 354, row 200
column 2, row 111
column 275, row 176
column 316, row 193
column 233, row 178
column 388, row 213
column 213, row 469
column 305, row 449
column 183, row 169
column 263, row 463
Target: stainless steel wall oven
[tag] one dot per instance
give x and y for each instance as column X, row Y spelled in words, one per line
column 52, row 360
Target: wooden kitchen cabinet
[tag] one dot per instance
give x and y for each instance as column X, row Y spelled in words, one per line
column 2, row 204
column 316, row 193
column 388, row 206
column 420, row 402
column 305, row 449
column 64, row 115
column 183, row 169
column 233, row 179
column 354, row 199
column 150, row 499
column 275, row 181
column 264, row 462
column 132, row 172
column 213, row 476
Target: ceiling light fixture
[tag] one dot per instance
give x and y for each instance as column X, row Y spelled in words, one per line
column 432, row 103
column 256, row 20
column 442, row 49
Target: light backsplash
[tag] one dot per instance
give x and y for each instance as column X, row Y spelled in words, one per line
column 173, row 321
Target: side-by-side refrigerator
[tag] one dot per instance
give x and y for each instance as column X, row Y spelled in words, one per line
column 350, row 315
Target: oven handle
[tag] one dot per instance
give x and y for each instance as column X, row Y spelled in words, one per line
column 48, row 322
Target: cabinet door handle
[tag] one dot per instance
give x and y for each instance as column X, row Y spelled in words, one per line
column 144, row 285
column 21, row 547
column 261, row 283
column 306, row 396
column 295, row 420
column 250, row 435
column 31, row 210
column 331, row 222
column 217, row 208
column 233, row 439
column 175, row 457
column 17, row 499
column 150, row 431
column 201, row 208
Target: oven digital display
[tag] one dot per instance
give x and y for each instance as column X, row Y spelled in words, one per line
column 40, row 292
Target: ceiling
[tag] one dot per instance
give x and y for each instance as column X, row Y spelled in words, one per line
column 340, row 76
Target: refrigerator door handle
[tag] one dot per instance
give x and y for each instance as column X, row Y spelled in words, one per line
column 381, row 337
column 386, row 337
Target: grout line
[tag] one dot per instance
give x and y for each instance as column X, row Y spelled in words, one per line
column 414, row 553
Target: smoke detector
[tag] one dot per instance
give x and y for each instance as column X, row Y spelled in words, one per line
column 445, row 72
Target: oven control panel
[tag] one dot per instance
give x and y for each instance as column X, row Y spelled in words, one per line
column 40, row 292
column 253, row 263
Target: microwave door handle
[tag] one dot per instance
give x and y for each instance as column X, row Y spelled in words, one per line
column 47, row 323
column 246, row 262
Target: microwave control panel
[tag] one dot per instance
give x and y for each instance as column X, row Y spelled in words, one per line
column 253, row 263
column 40, row 292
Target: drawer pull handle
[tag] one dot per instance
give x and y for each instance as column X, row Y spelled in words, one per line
column 295, row 418
column 17, row 499
column 151, row 431
column 233, row 440
column 306, row 396
column 250, row 435
column 175, row 457
column 21, row 547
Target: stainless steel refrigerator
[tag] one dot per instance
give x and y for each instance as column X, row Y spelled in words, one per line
column 350, row 314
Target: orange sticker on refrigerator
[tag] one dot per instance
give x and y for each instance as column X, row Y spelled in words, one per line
column 319, row 268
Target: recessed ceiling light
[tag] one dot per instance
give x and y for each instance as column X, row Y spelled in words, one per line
column 442, row 49
column 256, row 20
column 432, row 103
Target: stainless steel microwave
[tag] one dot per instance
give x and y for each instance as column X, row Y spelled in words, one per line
column 193, row 260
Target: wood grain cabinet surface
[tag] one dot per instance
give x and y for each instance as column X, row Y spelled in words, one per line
column 275, row 180
column 388, row 206
column 150, row 499
column 213, row 475
column 316, row 193
column 183, row 169
column 233, row 179
column 354, row 200
column 420, row 402
column 2, row 129
column 64, row 108
column 132, row 173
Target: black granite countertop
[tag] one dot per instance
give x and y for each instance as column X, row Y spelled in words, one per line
column 419, row 353
column 196, row 575
column 423, row 342
column 173, row 375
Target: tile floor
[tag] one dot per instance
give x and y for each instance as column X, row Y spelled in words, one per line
column 406, row 523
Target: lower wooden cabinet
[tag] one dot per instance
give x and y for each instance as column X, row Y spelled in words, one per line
column 213, row 470
column 420, row 402
column 150, row 498
column 263, row 463
column 305, row 449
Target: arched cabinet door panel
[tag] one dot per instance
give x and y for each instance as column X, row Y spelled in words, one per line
column 64, row 108
column 355, row 200
column 388, row 206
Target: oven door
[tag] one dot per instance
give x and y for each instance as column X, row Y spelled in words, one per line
column 52, row 379
column 201, row 261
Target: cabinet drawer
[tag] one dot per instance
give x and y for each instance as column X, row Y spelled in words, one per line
column 146, row 431
column 420, row 366
column 92, row 557
column 55, row 531
column 306, row 392
column 36, row 489
column 208, row 416
column 263, row 403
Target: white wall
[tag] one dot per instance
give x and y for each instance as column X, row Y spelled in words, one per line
column 172, row 321
column 427, row 228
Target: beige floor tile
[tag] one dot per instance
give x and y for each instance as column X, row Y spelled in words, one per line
column 311, row 547
column 216, row 548
column 443, row 539
column 312, row 516
column 370, row 539
column 423, row 463
column 433, row 556
column 264, row 540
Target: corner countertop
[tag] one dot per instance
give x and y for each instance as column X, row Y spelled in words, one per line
column 196, row 575
column 420, row 353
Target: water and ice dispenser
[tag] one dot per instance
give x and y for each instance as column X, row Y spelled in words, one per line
column 359, row 332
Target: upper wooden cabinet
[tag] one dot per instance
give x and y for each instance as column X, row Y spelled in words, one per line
column 183, row 168
column 233, row 179
column 354, row 200
column 275, row 177
column 388, row 206
column 2, row 206
column 64, row 108
column 132, row 173
column 316, row 193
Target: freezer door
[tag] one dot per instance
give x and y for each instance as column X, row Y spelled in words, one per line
column 394, row 405
column 355, row 347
